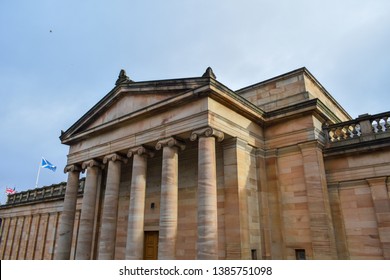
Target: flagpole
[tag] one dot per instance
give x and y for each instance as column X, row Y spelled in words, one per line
column 39, row 171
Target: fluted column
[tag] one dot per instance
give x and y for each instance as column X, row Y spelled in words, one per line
column 84, row 241
column 207, row 193
column 110, row 207
column 169, row 197
column 68, row 214
column 135, row 225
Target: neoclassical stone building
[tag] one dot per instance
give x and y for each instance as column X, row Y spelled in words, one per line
column 190, row 169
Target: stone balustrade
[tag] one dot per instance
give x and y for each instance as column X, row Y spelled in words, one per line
column 364, row 125
column 47, row 192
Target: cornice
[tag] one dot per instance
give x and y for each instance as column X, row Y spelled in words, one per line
column 357, row 147
column 312, row 106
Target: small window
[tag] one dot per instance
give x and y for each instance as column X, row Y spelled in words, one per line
column 254, row 254
column 300, row 254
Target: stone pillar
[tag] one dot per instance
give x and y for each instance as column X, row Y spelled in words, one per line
column 66, row 224
column 110, row 207
column 207, row 241
column 381, row 200
column 135, row 225
column 264, row 208
column 236, row 177
column 169, row 197
column 321, row 224
column 84, row 241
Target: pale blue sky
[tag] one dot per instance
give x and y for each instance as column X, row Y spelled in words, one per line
column 58, row 58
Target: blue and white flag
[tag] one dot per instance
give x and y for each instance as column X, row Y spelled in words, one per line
column 48, row 165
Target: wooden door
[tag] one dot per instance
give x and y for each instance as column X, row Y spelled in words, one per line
column 151, row 245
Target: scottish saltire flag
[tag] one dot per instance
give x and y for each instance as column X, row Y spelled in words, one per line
column 9, row 191
column 48, row 165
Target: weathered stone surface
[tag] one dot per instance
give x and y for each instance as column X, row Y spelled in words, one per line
column 136, row 220
column 110, row 208
column 67, row 220
column 87, row 218
column 169, row 198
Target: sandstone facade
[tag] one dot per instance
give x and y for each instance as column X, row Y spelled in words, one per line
column 189, row 169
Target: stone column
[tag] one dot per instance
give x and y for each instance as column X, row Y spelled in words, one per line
column 169, row 197
column 84, row 241
column 207, row 241
column 135, row 225
column 66, row 224
column 110, row 207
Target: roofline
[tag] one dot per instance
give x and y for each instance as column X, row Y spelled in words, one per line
column 304, row 71
column 279, row 77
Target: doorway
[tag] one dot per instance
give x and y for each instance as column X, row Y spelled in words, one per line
column 151, row 245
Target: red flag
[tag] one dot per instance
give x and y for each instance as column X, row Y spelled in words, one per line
column 9, row 191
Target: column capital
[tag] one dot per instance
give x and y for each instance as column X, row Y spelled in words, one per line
column 114, row 157
column 72, row 167
column 170, row 142
column 141, row 151
column 310, row 145
column 377, row 181
column 207, row 132
column 235, row 142
column 91, row 163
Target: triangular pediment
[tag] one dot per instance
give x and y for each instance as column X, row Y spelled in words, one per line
column 127, row 104
column 127, row 99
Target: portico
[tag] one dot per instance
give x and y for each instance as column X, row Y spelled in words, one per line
column 149, row 138
column 170, row 151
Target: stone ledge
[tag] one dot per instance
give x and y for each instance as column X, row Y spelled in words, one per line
column 38, row 195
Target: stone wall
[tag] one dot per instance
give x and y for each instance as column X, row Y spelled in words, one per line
column 29, row 231
column 359, row 188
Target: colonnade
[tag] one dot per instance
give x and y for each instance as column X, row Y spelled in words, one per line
column 207, row 227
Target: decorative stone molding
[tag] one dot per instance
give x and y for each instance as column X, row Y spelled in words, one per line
column 141, row 151
column 207, row 132
column 114, row 157
column 91, row 163
column 122, row 78
column 209, row 73
column 170, row 142
column 71, row 168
